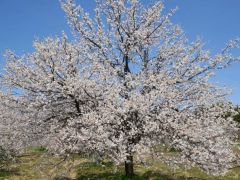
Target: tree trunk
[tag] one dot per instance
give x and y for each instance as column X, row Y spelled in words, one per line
column 129, row 166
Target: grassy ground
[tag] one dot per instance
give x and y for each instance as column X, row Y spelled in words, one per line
column 34, row 164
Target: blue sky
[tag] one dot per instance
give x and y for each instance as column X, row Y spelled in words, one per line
column 215, row 21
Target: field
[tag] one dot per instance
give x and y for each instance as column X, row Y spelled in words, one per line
column 35, row 163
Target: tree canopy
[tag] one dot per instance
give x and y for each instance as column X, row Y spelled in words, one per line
column 129, row 80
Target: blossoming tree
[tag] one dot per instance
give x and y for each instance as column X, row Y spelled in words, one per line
column 130, row 80
column 18, row 127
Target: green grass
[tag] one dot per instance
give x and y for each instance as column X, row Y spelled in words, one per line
column 40, row 149
column 37, row 164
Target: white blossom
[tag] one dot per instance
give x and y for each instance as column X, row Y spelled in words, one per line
column 130, row 80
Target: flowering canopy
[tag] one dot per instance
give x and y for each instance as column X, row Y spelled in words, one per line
column 128, row 81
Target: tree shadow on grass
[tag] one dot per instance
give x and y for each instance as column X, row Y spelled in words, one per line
column 145, row 176
column 94, row 171
column 103, row 170
column 4, row 173
column 108, row 176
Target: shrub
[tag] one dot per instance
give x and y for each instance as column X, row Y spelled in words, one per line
column 6, row 157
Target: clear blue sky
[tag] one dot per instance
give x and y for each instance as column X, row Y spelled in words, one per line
column 215, row 21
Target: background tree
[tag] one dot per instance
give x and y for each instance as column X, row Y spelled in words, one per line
column 18, row 128
column 12, row 131
column 129, row 80
column 237, row 115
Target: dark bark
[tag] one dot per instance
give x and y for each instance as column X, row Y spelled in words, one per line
column 129, row 166
column 126, row 66
column 77, row 105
